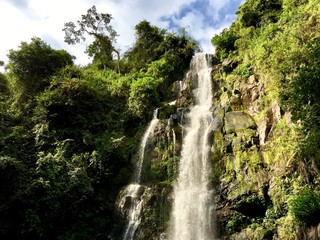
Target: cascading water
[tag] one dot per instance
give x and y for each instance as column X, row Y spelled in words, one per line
column 181, row 87
column 168, row 129
column 191, row 216
column 134, row 194
column 173, row 142
column 152, row 125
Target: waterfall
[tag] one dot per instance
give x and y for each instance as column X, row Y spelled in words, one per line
column 168, row 129
column 173, row 142
column 181, row 87
column 191, row 217
column 133, row 196
column 152, row 125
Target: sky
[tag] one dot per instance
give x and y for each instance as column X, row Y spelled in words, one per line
column 20, row 20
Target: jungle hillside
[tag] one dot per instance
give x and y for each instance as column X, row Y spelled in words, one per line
column 69, row 134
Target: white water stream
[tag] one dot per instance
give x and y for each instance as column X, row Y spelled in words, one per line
column 134, row 194
column 152, row 125
column 191, row 215
column 174, row 142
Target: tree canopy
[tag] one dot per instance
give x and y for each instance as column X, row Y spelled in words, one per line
column 69, row 149
column 152, row 43
column 97, row 25
column 33, row 64
column 66, row 154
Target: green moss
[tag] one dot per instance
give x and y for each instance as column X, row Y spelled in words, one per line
column 229, row 161
column 217, row 145
column 158, row 171
column 282, row 146
column 233, row 80
column 248, row 159
column 238, row 120
column 220, row 113
column 166, row 111
column 225, row 98
column 236, row 223
column 287, row 228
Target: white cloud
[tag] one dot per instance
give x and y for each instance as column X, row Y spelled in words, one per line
column 13, row 29
column 21, row 20
column 197, row 22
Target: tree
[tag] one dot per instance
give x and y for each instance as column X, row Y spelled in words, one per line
column 257, row 13
column 4, row 94
column 96, row 25
column 225, row 43
column 4, row 89
column 153, row 43
column 100, row 56
column 33, row 63
column 146, row 48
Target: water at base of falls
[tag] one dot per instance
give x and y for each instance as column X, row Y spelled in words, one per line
column 192, row 208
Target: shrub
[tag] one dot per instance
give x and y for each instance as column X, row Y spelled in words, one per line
column 305, row 207
column 225, row 43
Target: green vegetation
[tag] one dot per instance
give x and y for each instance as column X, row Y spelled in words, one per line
column 69, row 134
column 270, row 57
column 224, row 43
column 32, row 65
column 306, row 207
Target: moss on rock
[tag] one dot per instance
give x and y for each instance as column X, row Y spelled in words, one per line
column 235, row 121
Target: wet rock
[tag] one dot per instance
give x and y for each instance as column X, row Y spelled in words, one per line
column 217, row 145
column 155, row 213
column 250, row 98
column 218, row 118
column 225, row 98
column 235, row 102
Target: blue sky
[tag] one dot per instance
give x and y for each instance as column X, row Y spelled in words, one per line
column 20, row 20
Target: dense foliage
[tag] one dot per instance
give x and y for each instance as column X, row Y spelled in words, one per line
column 273, row 46
column 68, row 134
column 34, row 63
column 278, row 41
column 306, row 207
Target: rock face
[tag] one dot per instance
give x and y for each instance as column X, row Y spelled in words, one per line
column 155, row 214
column 252, row 91
column 241, row 179
column 237, row 121
column 253, row 149
column 268, row 123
